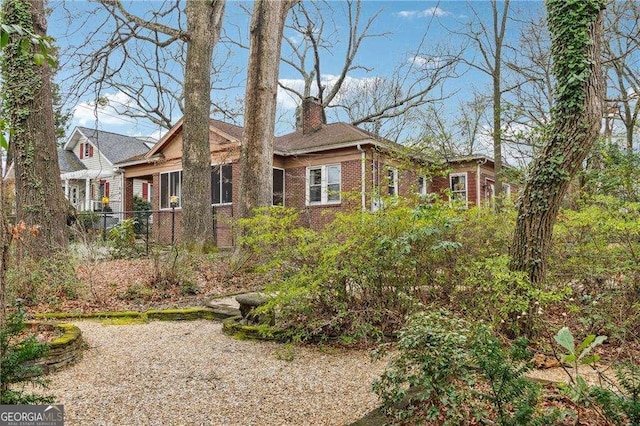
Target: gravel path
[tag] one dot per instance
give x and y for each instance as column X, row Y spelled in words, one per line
column 190, row 373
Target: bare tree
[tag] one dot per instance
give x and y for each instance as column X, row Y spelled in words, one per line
column 142, row 57
column 379, row 104
column 578, row 105
column 28, row 107
column 489, row 41
column 256, row 154
column 621, row 50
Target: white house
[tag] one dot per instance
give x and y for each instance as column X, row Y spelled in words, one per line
column 87, row 168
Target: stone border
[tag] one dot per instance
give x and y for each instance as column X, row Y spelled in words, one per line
column 234, row 326
column 181, row 314
column 64, row 350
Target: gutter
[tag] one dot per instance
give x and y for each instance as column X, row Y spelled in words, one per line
column 362, row 177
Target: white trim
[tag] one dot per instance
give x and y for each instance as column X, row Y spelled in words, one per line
column 466, row 185
column 324, row 193
column 168, row 183
column 220, row 165
column 88, row 174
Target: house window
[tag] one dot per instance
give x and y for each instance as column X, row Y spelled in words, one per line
column 147, row 188
column 170, row 185
column 103, row 189
column 422, row 185
column 323, row 184
column 458, row 185
column 506, row 189
column 392, row 181
column 278, row 187
column 221, row 184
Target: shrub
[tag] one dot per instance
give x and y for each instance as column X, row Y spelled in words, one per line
column 428, row 378
column 142, row 212
column 360, row 276
column 17, row 354
column 123, row 239
column 45, row 280
column 446, row 371
column 622, row 405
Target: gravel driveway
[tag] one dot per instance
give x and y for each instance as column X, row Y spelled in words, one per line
column 190, row 373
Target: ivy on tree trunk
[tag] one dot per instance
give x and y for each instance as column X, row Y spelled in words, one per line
column 576, row 31
column 28, row 108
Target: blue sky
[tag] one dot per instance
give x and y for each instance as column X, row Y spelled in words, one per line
column 407, row 25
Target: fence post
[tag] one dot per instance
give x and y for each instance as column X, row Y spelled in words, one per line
column 147, row 233
column 104, row 226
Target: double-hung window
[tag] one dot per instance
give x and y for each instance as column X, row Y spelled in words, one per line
column 324, row 184
column 392, row 181
column 170, row 185
column 458, row 186
column 422, row 185
column 278, row 187
column 221, row 184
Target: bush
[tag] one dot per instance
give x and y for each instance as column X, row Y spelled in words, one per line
column 46, row 280
column 17, row 354
column 360, row 276
column 123, row 239
column 142, row 213
column 446, row 371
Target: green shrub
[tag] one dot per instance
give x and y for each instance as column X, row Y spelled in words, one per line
column 429, row 379
column 506, row 299
column 123, row 240
column 446, row 371
column 360, row 276
column 17, row 353
column 45, row 280
column 142, row 212
column 622, row 405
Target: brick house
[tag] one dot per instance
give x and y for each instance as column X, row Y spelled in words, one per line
column 470, row 180
column 319, row 169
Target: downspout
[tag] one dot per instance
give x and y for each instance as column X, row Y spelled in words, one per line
column 363, row 159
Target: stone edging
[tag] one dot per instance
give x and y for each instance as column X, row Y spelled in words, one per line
column 64, row 350
column 184, row 314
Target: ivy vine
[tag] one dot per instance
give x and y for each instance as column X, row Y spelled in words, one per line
column 569, row 22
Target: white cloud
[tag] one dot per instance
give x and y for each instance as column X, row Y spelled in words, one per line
column 427, row 13
column 106, row 110
column 288, row 100
column 424, row 62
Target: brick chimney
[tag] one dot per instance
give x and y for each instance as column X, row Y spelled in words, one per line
column 312, row 115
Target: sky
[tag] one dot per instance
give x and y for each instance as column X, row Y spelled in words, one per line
column 410, row 34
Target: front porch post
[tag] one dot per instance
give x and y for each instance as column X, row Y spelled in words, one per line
column 66, row 188
column 87, row 194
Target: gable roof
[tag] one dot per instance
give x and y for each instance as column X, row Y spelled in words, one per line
column 113, row 146
column 68, row 162
column 229, row 131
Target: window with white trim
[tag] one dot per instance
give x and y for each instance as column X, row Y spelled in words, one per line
column 458, row 186
column 422, row 185
column 221, row 184
column 278, row 187
column 324, row 184
column 392, row 181
column 170, row 185
column 506, row 189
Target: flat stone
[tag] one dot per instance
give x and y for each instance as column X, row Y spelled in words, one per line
column 251, row 299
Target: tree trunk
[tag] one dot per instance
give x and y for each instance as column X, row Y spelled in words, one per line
column 575, row 126
column 40, row 201
column 256, row 156
column 204, row 22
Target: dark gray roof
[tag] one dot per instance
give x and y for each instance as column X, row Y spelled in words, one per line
column 113, row 146
column 68, row 161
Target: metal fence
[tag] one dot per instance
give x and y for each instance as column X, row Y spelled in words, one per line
column 151, row 226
